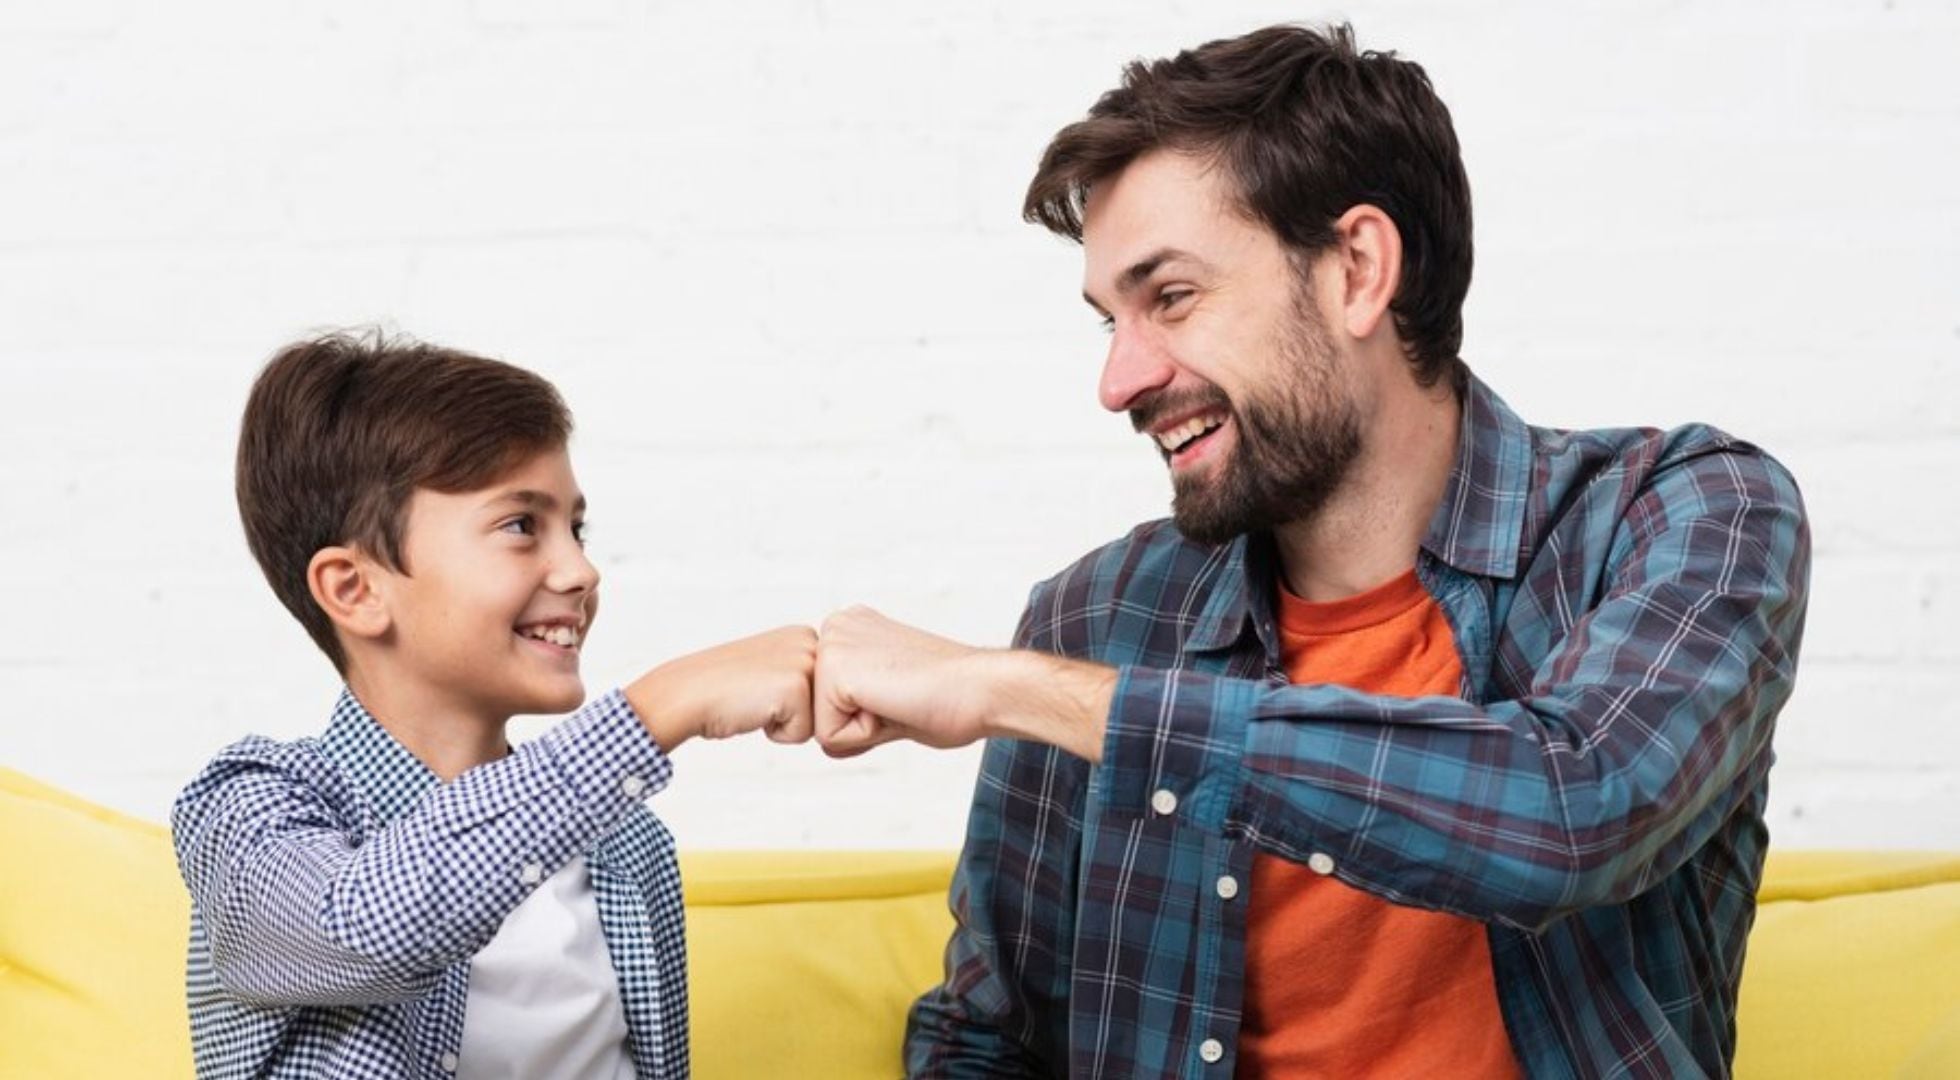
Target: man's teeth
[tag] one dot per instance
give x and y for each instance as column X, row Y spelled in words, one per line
column 1174, row 439
column 563, row 636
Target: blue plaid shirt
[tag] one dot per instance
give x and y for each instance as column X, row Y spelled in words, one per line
column 1627, row 605
column 339, row 890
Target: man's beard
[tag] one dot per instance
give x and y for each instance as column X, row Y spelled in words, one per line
column 1295, row 444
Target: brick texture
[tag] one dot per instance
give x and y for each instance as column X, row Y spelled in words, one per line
column 771, row 252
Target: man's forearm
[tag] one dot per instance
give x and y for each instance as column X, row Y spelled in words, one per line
column 1048, row 699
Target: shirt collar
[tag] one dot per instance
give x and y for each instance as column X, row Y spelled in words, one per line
column 1475, row 528
column 391, row 778
column 1477, row 525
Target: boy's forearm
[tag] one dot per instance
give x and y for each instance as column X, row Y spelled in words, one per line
column 756, row 683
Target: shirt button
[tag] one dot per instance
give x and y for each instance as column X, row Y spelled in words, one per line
column 633, row 786
column 1164, row 802
column 1320, row 863
column 449, row 1063
column 1211, row 1050
column 534, row 873
column 1228, row 887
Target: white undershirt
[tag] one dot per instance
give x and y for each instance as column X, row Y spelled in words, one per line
column 544, row 1001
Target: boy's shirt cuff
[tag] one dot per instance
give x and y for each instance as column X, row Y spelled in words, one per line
column 605, row 752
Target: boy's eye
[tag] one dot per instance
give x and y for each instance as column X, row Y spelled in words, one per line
column 1108, row 324
column 578, row 532
column 521, row 525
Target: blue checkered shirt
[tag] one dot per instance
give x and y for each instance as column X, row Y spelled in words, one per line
column 339, row 890
column 1627, row 605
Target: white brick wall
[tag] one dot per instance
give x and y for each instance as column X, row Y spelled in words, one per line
column 771, row 253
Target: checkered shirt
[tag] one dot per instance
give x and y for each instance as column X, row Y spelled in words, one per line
column 339, row 890
column 1628, row 606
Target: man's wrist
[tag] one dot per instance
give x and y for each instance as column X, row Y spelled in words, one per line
column 1048, row 699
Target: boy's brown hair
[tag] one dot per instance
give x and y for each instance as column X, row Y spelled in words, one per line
column 341, row 429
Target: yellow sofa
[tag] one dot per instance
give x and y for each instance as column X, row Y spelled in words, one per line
column 802, row 964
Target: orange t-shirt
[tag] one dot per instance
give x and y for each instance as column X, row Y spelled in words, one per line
column 1337, row 982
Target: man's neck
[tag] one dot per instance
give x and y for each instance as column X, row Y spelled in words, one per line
column 1371, row 528
column 442, row 734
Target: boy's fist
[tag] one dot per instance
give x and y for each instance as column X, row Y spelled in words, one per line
column 754, row 682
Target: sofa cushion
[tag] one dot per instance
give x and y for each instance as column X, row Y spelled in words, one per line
column 805, row 962
column 92, row 925
column 1853, row 967
column 810, row 957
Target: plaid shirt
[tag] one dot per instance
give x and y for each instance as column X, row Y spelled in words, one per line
column 1627, row 605
column 339, row 890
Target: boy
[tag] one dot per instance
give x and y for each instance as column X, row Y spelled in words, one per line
column 406, row 895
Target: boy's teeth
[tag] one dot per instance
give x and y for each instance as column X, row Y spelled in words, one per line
column 563, row 636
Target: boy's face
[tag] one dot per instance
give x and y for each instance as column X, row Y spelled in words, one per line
column 498, row 596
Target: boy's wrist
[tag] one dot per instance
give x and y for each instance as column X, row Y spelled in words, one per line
column 653, row 696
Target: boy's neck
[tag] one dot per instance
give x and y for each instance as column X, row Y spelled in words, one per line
column 442, row 733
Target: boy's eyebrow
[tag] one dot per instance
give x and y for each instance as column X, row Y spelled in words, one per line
column 537, row 500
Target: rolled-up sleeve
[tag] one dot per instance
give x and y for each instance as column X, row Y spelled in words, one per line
column 305, row 904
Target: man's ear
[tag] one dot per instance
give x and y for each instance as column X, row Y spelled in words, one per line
column 349, row 587
column 1370, row 267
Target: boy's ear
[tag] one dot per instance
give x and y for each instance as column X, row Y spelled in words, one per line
column 346, row 584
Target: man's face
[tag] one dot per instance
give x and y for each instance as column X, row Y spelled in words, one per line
column 1218, row 350
column 497, row 595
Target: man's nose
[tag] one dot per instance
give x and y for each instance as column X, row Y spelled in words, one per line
column 1137, row 365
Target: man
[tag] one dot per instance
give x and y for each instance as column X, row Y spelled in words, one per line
column 1419, row 742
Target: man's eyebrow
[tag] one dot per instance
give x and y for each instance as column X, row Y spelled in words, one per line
column 1140, row 271
column 536, row 500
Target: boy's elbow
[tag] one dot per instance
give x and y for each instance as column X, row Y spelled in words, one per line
column 272, row 981
column 270, row 969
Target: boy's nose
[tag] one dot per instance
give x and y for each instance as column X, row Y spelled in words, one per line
column 574, row 572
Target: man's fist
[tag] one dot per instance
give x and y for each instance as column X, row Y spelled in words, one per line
column 879, row 680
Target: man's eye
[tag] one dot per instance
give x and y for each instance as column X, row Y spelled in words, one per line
column 521, row 525
column 1108, row 324
column 579, row 532
column 1172, row 297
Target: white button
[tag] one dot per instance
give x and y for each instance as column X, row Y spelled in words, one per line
column 1228, row 886
column 1164, row 802
column 1320, row 863
column 534, row 873
column 634, row 787
column 1211, row 1050
column 449, row 1063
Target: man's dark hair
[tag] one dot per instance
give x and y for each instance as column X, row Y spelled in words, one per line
column 341, row 429
column 1306, row 127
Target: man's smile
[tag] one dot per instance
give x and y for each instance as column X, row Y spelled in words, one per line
column 1184, row 440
